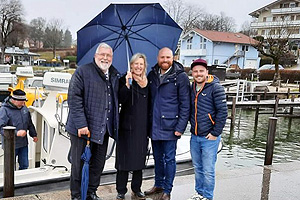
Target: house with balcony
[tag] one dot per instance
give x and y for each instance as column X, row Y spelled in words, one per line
column 218, row 48
column 279, row 18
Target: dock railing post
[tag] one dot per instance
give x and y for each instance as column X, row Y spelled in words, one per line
column 276, row 107
column 265, row 93
column 288, row 93
column 270, row 140
column 9, row 161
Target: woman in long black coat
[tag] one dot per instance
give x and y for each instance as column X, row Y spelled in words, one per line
column 132, row 143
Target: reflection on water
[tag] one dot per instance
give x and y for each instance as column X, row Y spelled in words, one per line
column 245, row 147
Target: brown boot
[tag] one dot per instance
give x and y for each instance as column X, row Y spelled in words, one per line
column 154, row 190
column 165, row 196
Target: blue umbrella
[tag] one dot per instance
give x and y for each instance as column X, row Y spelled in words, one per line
column 86, row 156
column 128, row 29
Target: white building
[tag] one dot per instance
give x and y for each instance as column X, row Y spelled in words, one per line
column 277, row 16
column 17, row 56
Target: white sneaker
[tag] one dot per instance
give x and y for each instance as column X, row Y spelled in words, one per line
column 196, row 197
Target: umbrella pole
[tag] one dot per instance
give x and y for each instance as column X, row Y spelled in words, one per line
column 128, row 65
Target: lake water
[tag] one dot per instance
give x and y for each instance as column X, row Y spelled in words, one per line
column 245, row 148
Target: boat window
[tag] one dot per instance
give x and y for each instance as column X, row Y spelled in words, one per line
column 52, row 132
column 45, row 137
column 37, row 83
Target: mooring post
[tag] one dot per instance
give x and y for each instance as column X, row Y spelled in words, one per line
column 233, row 114
column 256, row 113
column 9, row 161
column 276, row 107
column 270, row 141
column 288, row 93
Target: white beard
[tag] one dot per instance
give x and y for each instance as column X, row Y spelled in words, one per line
column 104, row 67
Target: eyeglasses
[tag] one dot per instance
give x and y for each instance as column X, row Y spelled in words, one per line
column 104, row 55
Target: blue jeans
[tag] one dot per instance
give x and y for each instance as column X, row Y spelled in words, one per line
column 204, row 157
column 164, row 152
column 22, row 154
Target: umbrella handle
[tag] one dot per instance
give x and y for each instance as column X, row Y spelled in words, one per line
column 88, row 138
column 130, row 81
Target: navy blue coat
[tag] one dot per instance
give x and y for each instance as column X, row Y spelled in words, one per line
column 170, row 102
column 211, row 110
column 87, row 99
column 20, row 118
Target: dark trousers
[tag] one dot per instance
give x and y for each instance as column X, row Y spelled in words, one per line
column 136, row 182
column 96, row 164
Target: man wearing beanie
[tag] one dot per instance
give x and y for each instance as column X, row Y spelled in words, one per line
column 13, row 112
column 208, row 118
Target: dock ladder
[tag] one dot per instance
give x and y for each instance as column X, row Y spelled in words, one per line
column 240, row 90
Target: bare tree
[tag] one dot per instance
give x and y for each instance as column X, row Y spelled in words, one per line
column 17, row 37
column 275, row 44
column 11, row 12
column 183, row 13
column 213, row 22
column 53, row 35
column 37, row 30
column 246, row 29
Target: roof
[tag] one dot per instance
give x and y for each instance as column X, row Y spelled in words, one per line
column 227, row 37
column 18, row 51
column 266, row 7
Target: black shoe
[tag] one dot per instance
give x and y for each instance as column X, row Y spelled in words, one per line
column 120, row 196
column 93, row 196
column 139, row 195
column 76, row 198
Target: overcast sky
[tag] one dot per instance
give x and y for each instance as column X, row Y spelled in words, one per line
column 76, row 13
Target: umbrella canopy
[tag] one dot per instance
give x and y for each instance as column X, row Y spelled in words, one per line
column 86, row 156
column 128, row 29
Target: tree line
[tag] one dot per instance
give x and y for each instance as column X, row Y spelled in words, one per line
column 191, row 15
column 39, row 32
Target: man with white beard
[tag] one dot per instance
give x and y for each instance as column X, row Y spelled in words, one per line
column 93, row 104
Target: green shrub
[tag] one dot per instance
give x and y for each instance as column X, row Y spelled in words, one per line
column 71, row 58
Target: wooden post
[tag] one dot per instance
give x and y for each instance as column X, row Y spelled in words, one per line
column 276, row 107
column 275, row 97
column 233, row 114
column 9, row 161
column 292, row 108
column 288, row 93
column 256, row 114
column 270, row 141
column 265, row 95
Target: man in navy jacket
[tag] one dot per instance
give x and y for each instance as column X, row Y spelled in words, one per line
column 170, row 108
column 13, row 112
column 93, row 103
column 208, row 118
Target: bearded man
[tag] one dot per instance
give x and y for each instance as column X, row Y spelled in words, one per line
column 93, row 108
column 208, row 118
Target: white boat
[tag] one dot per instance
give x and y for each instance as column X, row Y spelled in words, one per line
column 48, row 158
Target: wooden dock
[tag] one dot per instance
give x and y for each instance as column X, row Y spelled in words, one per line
column 265, row 103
